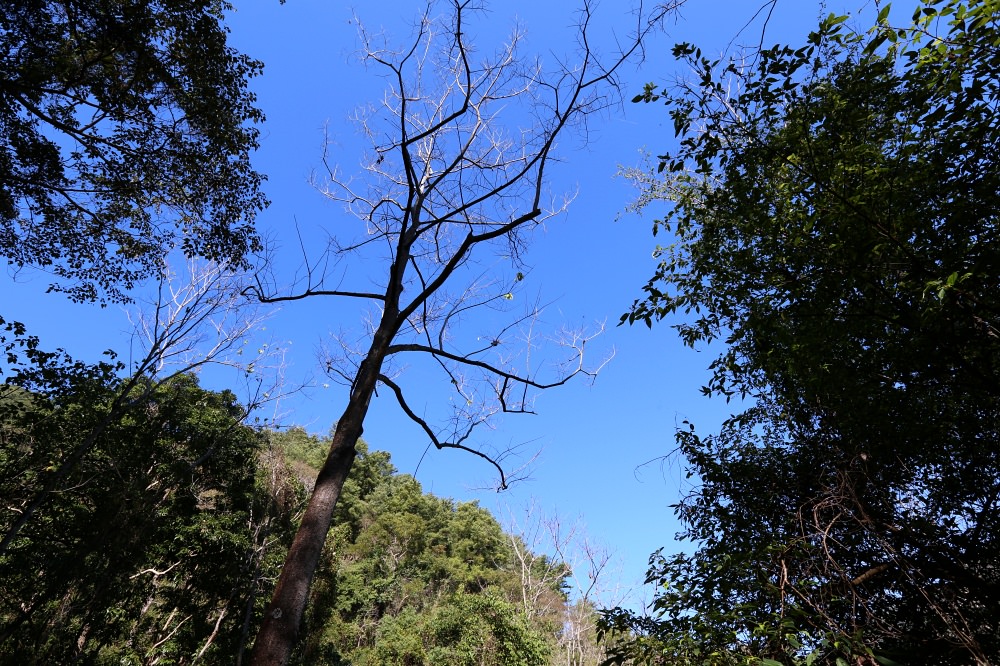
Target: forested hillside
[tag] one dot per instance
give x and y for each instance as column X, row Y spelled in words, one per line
column 410, row 578
column 162, row 544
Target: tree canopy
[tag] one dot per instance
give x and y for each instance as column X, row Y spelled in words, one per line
column 163, row 542
column 410, row 578
column 126, row 129
column 834, row 212
column 157, row 544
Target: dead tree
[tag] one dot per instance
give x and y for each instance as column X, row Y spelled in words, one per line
column 556, row 557
column 461, row 145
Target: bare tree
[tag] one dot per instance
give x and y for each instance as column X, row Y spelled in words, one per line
column 455, row 180
column 553, row 555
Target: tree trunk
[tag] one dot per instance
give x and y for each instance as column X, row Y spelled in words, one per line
column 279, row 630
column 278, row 633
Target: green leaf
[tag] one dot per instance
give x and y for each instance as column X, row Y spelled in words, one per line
column 885, row 661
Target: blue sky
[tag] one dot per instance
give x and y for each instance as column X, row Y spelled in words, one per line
column 598, row 446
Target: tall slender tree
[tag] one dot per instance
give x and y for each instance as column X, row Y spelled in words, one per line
column 457, row 170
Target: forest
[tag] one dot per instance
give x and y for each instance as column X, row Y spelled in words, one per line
column 163, row 542
column 827, row 213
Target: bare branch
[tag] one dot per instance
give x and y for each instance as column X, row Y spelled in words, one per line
column 156, row 573
column 456, row 171
column 456, row 444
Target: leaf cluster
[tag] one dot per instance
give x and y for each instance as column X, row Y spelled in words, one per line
column 125, row 132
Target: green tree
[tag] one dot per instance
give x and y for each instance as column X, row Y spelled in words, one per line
column 410, row 578
column 125, row 131
column 157, row 544
column 835, row 209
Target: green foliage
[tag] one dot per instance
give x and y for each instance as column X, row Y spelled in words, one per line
column 126, row 132
column 299, row 447
column 154, row 547
column 462, row 630
column 161, row 544
column 410, row 578
column 835, row 223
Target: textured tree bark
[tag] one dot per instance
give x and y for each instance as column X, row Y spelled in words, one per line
column 278, row 633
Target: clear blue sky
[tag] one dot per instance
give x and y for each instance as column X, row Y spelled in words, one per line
column 592, row 440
